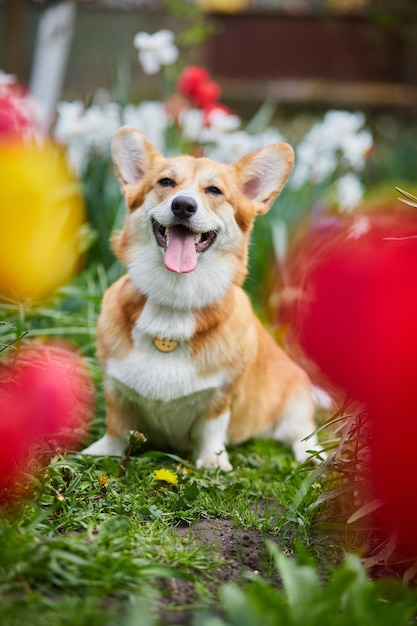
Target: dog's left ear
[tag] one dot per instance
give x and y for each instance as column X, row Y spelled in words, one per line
column 264, row 173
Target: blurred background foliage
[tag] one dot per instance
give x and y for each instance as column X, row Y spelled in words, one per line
column 356, row 55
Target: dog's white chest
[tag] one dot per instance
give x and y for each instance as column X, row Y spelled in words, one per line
column 155, row 374
column 170, row 393
column 163, row 376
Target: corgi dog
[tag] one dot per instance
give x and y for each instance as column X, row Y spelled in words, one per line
column 185, row 359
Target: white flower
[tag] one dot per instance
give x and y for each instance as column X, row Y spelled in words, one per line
column 355, row 147
column 313, row 162
column 269, row 136
column 78, row 154
column 69, row 130
column 349, row 192
column 99, row 126
column 151, row 119
column 280, row 239
column 230, row 147
column 335, row 141
column 223, row 122
column 86, row 131
column 216, row 125
column 192, row 124
column 155, row 50
column 342, row 123
column 69, row 121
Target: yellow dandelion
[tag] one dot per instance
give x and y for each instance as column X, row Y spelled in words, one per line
column 103, row 482
column 166, row 476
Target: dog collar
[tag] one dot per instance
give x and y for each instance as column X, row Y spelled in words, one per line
column 165, row 345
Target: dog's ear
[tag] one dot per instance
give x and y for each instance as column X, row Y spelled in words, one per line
column 132, row 154
column 264, row 173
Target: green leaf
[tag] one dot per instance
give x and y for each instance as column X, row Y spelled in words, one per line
column 301, row 584
column 156, row 454
column 151, row 512
column 191, row 492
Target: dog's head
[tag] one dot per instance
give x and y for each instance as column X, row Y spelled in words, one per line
column 185, row 237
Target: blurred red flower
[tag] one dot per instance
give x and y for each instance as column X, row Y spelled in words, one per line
column 46, row 398
column 356, row 317
column 195, row 82
column 208, row 93
column 190, row 80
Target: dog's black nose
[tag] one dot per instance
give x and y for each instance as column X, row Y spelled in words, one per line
column 183, row 207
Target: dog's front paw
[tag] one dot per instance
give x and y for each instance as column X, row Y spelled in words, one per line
column 107, row 446
column 214, row 460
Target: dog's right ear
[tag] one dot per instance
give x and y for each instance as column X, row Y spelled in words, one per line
column 133, row 155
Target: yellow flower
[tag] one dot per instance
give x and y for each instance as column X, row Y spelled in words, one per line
column 42, row 221
column 184, row 469
column 103, row 482
column 166, row 476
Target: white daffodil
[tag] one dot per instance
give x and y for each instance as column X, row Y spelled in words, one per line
column 339, row 139
column 349, row 192
column 155, row 50
column 192, row 124
column 231, row 146
column 151, row 119
column 86, row 131
column 217, row 124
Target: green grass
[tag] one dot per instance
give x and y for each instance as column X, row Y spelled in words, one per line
column 349, row 598
column 96, row 540
column 76, row 537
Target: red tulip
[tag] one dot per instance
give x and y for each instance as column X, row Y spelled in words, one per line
column 46, row 398
column 208, row 93
column 195, row 83
column 356, row 318
column 190, row 80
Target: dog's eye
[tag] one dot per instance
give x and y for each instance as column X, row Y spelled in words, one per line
column 215, row 191
column 166, row 182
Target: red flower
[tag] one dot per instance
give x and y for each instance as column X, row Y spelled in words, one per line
column 208, row 93
column 190, row 80
column 356, row 319
column 195, row 83
column 46, row 396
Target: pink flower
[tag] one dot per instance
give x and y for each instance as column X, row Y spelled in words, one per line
column 18, row 117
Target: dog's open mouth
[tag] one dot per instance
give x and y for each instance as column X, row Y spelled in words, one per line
column 181, row 246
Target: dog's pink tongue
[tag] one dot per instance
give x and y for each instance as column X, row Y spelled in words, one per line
column 180, row 254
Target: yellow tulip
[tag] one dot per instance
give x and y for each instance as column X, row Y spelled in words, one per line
column 42, row 216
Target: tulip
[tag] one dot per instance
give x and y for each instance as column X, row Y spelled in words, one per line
column 355, row 317
column 42, row 219
column 46, row 399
